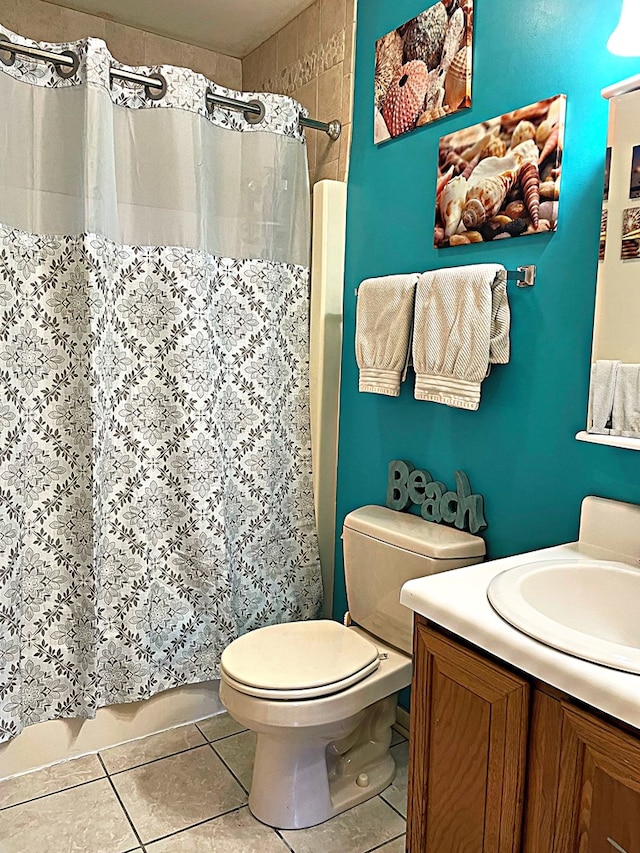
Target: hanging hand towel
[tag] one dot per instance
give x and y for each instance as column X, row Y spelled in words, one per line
column 461, row 327
column 383, row 329
column 625, row 419
column 601, row 389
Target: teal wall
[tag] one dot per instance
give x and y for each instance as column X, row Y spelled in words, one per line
column 519, row 448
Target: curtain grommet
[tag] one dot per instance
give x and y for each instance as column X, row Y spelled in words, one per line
column 68, row 71
column 5, row 49
column 159, row 90
column 253, row 116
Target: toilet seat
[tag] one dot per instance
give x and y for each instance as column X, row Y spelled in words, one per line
column 298, row 660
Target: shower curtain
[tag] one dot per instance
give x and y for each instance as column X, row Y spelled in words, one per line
column 155, row 467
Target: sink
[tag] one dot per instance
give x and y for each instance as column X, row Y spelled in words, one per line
column 586, row 608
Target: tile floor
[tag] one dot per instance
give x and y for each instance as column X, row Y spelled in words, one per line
column 181, row 791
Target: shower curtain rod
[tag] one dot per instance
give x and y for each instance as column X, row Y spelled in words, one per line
column 67, row 63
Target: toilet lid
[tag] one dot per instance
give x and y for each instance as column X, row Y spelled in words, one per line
column 298, row 660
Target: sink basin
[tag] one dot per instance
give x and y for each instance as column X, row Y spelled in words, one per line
column 587, row 608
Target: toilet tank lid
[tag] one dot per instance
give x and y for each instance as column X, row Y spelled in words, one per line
column 413, row 533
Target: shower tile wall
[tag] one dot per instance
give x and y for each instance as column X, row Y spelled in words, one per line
column 311, row 59
column 49, row 22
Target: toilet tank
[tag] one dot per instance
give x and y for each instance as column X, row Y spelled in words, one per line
column 384, row 548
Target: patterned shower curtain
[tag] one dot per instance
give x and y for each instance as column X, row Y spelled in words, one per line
column 155, row 473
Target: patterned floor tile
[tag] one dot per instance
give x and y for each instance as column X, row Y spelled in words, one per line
column 50, row 780
column 238, row 753
column 358, row 830
column 396, row 793
column 238, row 832
column 146, row 749
column 177, row 792
column 86, row 818
column 219, row 726
column 398, row 845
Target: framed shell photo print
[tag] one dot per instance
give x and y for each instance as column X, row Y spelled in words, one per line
column 501, row 178
column 423, row 69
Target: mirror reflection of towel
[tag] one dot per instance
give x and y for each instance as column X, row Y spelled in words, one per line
column 601, row 389
column 625, row 418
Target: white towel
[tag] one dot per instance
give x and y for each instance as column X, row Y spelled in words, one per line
column 601, row 389
column 461, row 327
column 384, row 317
column 625, row 418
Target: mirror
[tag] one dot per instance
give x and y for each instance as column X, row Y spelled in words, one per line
column 614, row 395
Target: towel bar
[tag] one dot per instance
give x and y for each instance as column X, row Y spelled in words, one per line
column 523, row 276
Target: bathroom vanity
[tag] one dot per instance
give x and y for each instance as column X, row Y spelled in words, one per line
column 515, row 746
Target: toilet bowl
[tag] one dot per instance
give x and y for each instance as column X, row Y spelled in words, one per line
column 322, row 696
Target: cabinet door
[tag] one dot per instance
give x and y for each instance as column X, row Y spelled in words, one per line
column 468, row 750
column 584, row 783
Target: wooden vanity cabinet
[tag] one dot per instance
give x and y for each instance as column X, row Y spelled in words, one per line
column 499, row 764
column 467, row 759
column 583, row 787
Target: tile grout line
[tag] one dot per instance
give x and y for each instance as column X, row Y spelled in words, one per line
column 51, row 793
column 388, row 841
column 117, row 795
column 194, row 825
column 222, row 737
column 224, row 763
column 151, row 760
column 278, row 833
column 391, row 806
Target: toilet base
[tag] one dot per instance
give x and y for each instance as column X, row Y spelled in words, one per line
column 323, row 772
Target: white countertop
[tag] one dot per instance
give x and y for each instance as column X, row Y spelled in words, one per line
column 457, row 600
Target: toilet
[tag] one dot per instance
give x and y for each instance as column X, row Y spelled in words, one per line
column 321, row 696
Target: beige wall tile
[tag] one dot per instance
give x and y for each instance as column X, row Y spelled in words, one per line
column 39, row 21
column 330, row 93
column 10, row 16
column 349, row 45
column 250, row 71
column 327, row 171
column 77, row 25
column 308, row 97
column 201, row 60
column 347, row 98
column 345, row 152
column 229, row 71
column 287, row 45
column 267, row 64
column 309, row 29
column 46, row 22
column 260, row 66
column 332, row 17
column 159, row 50
column 125, row 43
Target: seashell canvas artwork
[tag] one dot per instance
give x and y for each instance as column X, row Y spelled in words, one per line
column 500, row 178
column 423, row 69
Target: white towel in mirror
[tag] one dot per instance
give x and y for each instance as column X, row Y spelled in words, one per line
column 601, row 389
column 625, row 418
